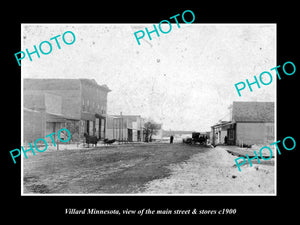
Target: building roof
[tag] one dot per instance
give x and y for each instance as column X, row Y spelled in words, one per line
column 253, row 111
column 126, row 116
column 222, row 123
column 92, row 82
column 60, row 84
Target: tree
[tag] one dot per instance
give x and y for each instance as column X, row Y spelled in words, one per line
column 150, row 128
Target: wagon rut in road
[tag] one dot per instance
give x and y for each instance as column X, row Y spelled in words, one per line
column 153, row 166
column 124, row 169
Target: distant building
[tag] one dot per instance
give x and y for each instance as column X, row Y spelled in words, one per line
column 220, row 131
column 251, row 123
column 125, row 127
column 77, row 104
column 168, row 133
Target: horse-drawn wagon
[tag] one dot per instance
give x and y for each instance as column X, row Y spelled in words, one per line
column 197, row 138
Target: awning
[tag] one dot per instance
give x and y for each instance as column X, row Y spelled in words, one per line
column 57, row 118
column 223, row 125
column 91, row 116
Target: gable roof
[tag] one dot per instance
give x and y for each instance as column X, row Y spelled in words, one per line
column 253, row 111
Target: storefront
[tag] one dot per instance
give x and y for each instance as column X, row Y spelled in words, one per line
column 93, row 125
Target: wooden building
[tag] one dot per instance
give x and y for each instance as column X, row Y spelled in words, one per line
column 251, row 123
column 76, row 104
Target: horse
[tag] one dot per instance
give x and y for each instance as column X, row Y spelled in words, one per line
column 90, row 139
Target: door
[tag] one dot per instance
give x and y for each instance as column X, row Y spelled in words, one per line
column 138, row 135
column 87, row 127
column 129, row 135
column 230, row 136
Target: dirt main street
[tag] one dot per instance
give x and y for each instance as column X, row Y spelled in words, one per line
column 144, row 168
column 215, row 172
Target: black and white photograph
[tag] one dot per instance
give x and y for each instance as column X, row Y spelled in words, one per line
column 159, row 116
column 137, row 112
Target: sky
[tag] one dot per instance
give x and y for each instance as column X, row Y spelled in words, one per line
column 184, row 79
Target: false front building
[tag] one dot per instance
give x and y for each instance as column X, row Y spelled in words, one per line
column 251, row 123
column 125, row 128
column 77, row 104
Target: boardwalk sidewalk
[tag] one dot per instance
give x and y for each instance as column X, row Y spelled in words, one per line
column 242, row 152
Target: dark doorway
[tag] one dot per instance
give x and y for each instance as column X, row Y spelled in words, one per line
column 129, row 134
column 88, row 127
column 138, row 135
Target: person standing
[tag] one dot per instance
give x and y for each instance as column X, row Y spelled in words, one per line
column 171, row 139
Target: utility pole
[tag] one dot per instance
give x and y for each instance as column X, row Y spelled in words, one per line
column 113, row 127
column 121, row 126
